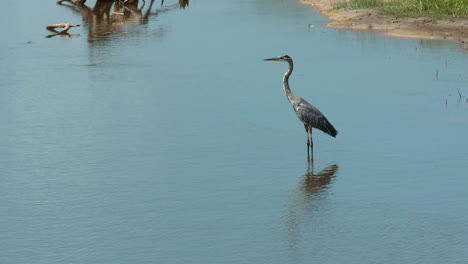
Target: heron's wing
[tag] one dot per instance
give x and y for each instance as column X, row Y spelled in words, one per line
column 311, row 116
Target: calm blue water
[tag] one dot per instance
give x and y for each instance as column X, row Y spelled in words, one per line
column 168, row 139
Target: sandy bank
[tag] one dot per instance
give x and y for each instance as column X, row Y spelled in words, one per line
column 420, row 28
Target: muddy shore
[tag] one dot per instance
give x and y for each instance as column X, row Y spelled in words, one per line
column 369, row 19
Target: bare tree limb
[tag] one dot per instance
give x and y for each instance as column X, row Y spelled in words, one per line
column 65, row 27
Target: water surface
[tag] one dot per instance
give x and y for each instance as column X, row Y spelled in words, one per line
column 168, row 139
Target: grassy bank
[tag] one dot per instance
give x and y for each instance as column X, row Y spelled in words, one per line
column 411, row 8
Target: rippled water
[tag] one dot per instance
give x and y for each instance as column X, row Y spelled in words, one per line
column 165, row 138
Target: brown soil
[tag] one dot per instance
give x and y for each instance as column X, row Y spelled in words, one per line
column 420, row 28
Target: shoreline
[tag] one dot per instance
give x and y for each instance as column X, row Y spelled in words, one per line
column 413, row 27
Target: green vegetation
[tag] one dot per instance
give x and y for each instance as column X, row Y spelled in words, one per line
column 411, row 8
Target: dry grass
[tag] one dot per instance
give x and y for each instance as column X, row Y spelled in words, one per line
column 411, row 8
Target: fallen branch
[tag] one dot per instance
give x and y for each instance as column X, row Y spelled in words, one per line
column 59, row 2
column 65, row 27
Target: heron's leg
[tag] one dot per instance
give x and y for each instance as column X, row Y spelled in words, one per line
column 308, row 142
column 310, row 166
column 311, row 141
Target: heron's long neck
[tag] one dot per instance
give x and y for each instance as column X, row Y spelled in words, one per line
column 286, row 88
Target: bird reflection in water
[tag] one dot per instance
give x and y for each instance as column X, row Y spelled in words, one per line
column 314, row 183
column 109, row 17
column 183, row 3
column 305, row 200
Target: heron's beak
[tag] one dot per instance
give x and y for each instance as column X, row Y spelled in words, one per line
column 272, row 59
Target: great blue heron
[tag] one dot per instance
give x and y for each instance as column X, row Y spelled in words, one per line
column 309, row 115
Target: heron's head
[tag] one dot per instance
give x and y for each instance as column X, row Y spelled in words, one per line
column 280, row 58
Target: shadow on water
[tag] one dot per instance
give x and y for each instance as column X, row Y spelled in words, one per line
column 306, row 200
column 108, row 17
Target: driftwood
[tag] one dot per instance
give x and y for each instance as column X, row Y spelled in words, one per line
column 65, row 27
column 73, row 1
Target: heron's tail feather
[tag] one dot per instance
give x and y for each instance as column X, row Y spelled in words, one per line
column 327, row 127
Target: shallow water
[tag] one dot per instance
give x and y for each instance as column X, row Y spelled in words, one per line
column 168, row 139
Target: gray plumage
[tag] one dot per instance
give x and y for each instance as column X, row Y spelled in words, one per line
column 309, row 115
